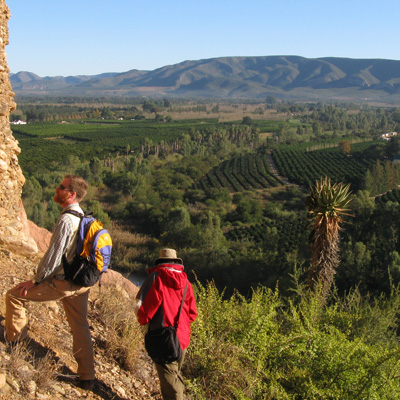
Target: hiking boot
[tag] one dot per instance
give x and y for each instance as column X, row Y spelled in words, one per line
column 86, row 384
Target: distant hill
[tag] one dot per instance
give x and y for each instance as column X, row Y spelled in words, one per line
column 286, row 77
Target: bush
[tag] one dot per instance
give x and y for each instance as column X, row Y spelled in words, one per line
column 265, row 348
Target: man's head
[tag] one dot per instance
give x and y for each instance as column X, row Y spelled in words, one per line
column 71, row 190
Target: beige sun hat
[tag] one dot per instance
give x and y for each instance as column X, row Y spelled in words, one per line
column 168, row 255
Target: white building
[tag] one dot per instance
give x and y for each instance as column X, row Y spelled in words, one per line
column 388, row 136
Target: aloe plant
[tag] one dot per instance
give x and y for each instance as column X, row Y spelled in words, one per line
column 327, row 206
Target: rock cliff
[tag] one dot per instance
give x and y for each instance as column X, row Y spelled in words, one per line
column 27, row 373
column 14, row 231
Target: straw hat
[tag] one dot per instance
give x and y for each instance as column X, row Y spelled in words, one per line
column 168, row 255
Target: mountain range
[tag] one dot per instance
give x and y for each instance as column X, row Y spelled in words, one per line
column 285, row 77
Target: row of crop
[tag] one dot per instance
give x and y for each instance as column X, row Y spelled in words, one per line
column 304, row 168
column 286, row 233
column 393, row 195
column 106, row 130
column 344, row 164
column 248, row 172
column 48, row 143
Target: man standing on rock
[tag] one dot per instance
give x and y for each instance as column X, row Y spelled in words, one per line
column 166, row 299
column 49, row 283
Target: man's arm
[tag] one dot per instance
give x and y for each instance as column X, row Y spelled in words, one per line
column 58, row 244
column 25, row 286
column 52, row 259
column 149, row 299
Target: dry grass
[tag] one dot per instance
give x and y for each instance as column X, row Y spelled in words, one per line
column 32, row 373
column 123, row 334
column 45, row 371
column 226, row 112
column 128, row 248
column 18, row 357
column 264, row 135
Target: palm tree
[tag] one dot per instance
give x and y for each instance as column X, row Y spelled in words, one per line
column 327, row 205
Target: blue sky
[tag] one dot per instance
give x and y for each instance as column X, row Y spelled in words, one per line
column 88, row 37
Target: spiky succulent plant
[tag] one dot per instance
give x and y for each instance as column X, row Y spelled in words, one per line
column 327, row 205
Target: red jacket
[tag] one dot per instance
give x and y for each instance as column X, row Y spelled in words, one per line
column 160, row 297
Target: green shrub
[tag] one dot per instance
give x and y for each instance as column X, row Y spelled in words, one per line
column 265, row 348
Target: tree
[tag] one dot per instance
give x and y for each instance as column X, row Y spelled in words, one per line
column 355, row 266
column 95, row 207
column 316, row 128
column 175, row 226
column 247, row 121
column 149, row 106
column 123, row 181
column 38, row 214
column 51, row 214
column 327, row 204
column 248, row 210
column 394, row 265
column 84, row 172
column 270, row 100
column 32, row 190
column 107, row 113
column 345, row 146
column 393, row 147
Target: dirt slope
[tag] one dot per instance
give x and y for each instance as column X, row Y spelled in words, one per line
column 51, row 343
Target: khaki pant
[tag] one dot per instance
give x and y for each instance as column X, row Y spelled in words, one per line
column 171, row 380
column 75, row 302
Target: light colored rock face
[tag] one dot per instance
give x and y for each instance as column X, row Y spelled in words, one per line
column 13, row 233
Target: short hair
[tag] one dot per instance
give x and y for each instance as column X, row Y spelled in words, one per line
column 78, row 185
column 166, row 261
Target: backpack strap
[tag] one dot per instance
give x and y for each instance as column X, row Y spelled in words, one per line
column 80, row 216
column 180, row 308
column 73, row 212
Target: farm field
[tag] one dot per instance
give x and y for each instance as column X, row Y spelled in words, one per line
column 392, row 195
column 301, row 167
column 287, row 231
column 304, row 168
column 248, row 172
column 50, row 142
column 44, row 143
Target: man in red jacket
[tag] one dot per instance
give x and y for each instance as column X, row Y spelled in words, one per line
column 158, row 303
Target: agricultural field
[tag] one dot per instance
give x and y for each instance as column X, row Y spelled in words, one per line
column 304, row 168
column 393, row 195
column 264, row 170
column 248, row 172
column 48, row 143
column 285, row 232
column 44, row 143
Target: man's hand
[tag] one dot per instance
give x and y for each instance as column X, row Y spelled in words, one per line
column 25, row 286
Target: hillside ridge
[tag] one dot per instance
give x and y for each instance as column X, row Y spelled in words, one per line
column 233, row 77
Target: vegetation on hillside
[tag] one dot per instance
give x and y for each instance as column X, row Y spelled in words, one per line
column 216, row 190
column 231, row 197
column 269, row 347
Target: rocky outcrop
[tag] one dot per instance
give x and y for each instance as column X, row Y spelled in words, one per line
column 40, row 235
column 13, row 233
column 42, row 367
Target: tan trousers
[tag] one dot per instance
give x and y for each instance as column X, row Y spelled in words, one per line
column 171, row 380
column 75, row 302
